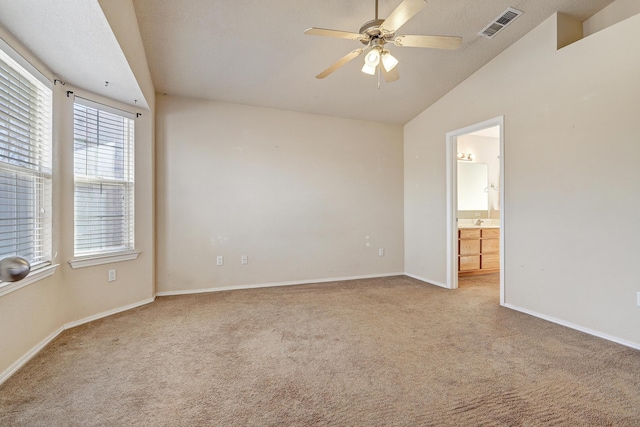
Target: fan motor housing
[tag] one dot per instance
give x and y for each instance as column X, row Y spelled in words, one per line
column 372, row 30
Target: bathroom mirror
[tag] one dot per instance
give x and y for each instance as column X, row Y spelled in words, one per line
column 472, row 184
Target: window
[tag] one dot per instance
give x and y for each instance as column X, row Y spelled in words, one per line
column 25, row 163
column 104, row 181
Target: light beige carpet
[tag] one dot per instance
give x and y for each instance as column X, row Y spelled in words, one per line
column 379, row 352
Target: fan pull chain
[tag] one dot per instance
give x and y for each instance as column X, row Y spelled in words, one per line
column 378, row 67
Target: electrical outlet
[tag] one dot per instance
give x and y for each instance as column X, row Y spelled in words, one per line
column 244, row 259
column 220, row 260
column 112, row 275
column 638, row 297
column 381, row 252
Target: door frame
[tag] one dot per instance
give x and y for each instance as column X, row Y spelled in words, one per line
column 452, row 201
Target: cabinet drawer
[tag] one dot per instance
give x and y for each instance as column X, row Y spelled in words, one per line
column 490, row 261
column 490, row 245
column 468, row 247
column 469, row 263
column 490, row 232
column 469, row 233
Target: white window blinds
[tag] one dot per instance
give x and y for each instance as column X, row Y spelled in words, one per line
column 104, row 181
column 25, row 164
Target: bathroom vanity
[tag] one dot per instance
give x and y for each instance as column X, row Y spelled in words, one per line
column 478, row 250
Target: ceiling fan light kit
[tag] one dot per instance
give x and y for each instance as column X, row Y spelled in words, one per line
column 376, row 33
column 372, row 59
column 368, row 69
column 388, row 61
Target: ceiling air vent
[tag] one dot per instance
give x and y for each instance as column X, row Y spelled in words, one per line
column 504, row 19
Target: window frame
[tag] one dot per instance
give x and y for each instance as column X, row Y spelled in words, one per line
column 97, row 256
column 37, row 90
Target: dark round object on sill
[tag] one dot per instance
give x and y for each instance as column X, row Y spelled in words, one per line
column 14, row 268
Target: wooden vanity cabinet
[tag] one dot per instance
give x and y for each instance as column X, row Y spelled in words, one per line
column 478, row 250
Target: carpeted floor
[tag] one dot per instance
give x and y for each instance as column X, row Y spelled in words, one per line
column 377, row 352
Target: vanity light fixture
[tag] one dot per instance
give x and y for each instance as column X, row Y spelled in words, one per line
column 467, row 157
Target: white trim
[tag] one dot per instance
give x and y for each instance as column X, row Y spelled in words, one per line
column 33, row 277
column 452, row 209
column 92, row 260
column 274, row 284
column 452, row 203
column 108, row 313
column 427, row 281
column 28, row 355
column 574, row 326
column 503, row 234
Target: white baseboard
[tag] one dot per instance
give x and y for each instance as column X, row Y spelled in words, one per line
column 29, row 355
column 429, row 281
column 574, row 326
column 42, row 344
column 108, row 313
column 274, row 284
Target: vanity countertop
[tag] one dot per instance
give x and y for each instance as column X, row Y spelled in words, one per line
column 478, row 226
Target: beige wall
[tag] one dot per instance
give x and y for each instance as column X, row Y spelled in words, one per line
column 30, row 315
column 306, row 197
column 610, row 15
column 571, row 175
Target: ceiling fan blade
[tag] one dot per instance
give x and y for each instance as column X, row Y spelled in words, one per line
column 390, row 76
column 435, row 42
column 402, row 13
column 348, row 57
column 313, row 31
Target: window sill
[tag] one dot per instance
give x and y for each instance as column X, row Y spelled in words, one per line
column 91, row 260
column 34, row 276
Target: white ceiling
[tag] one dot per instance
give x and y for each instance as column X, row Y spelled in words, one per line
column 255, row 52
column 74, row 40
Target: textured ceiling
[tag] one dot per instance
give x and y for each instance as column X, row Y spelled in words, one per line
column 255, row 52
column 74, row 40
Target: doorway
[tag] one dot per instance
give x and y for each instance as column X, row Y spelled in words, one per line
column 454, row 157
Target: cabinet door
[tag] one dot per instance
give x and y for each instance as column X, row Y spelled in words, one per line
column 490, row 261
column 469, row 247
column 490, row 232
column 467, row 263
column 469, row 233
column 490, row 245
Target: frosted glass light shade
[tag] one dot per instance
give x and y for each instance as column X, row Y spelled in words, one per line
column 373, row 58
column 368, row 69
column 389, row 61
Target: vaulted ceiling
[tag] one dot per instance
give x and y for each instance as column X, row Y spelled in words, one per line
column 254, row 52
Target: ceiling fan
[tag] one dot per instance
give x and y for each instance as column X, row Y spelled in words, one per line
column 376, row 33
